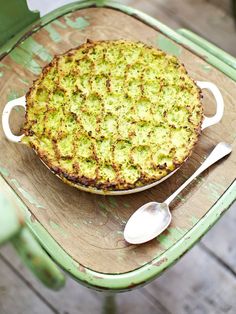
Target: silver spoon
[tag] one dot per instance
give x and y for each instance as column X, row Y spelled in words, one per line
column 153, row 218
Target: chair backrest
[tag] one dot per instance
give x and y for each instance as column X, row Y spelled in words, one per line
column 14, row 17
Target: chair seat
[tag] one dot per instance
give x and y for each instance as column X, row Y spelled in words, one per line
column 87, row 227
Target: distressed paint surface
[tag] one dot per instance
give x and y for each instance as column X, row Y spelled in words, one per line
column 24, row 81
column 57, row 227
column 169, row 237
column 13, row 94
column 26, row 194
column 2, row 65
column 78, row 23
column 207, row 68
column 54, row 35
column 24, row 59
column 4, row 171
column 59, row 24
column 32, row 47
column 215, row 190
column 168, row 46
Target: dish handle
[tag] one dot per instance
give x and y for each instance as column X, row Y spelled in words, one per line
column 208, row 121
column 6, row 115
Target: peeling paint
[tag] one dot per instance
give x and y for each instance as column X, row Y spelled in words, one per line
column 194, row 220
column 76, row 224
column 102, row 206
column 13, row 95
column 181, row 198
column 171, row 236
column 26, row 194
column 25, row 59
column 207, row 68
column 161, row 261
column 57, row 227
column 60, row 24
column 112, row 201
column 54, row 35
column 168, row 45
column 215, row 191
column 79, row 23
column 23, row 80
column 2, row 65
column 4, row 171
column 31, row 46
column 126, row 205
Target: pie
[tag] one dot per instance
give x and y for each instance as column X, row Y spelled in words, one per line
column 113, row 115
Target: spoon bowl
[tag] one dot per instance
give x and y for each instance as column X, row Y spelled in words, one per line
column 153, row 218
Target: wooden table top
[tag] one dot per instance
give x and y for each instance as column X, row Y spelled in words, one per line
column 90, row 227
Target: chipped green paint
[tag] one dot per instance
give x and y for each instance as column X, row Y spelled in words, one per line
column 172, row 235
column 54, row 35
column 76, row 224
column 4, row 171
column 207, row 68
column 59, row 23
column 2, row 65
column 79, row 23
column 1, row 74
column 57, row 227
column 168, row 45
column 214, row 190
column 181, row 198
column 103, row 206
column 24, row 58
column 26, row 194
column 31, row 47
column 194, row 220
column 23, row 80
column 126, row 205
column 16, row 94
column 112, row 201
column 13, row 95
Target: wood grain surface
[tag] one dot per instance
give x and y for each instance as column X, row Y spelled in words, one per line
column 90, row 227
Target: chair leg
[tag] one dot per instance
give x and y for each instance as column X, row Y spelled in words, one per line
column 109, row 304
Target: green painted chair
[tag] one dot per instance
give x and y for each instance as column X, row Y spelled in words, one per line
column 47, row 221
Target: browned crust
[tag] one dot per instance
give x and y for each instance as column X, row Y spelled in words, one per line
column 85, row 181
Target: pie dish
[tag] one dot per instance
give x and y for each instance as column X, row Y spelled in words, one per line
column 113, row 117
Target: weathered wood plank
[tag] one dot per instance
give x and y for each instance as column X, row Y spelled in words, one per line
column 74, row 298
column 222, row 238
column 202, row 17
column 153, row 9
column 196, row 284
column 16, row 297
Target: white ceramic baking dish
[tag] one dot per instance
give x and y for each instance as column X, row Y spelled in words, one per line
column 207, row 121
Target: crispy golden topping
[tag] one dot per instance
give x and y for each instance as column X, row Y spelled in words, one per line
column 113, row 115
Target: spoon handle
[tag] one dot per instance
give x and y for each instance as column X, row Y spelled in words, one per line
column 221, row 150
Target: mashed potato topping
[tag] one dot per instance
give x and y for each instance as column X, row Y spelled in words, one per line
column 113, row 115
